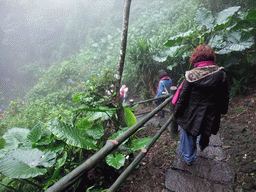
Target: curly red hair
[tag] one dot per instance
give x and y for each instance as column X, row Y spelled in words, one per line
column 202, row 53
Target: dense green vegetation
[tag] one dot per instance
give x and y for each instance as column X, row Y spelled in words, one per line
column 71, row 71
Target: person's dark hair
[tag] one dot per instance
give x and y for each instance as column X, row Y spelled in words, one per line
column 161, row 74
column 202, row 53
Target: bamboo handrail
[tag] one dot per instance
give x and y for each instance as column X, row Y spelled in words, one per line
column 74, row 175
column 138, row 158
column 153, row 99
column 145, row 112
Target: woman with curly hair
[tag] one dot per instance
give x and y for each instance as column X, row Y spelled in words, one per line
column 200, row 101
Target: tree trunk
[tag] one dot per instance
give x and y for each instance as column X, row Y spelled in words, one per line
column 120, row 112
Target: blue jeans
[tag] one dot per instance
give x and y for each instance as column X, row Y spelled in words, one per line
column 188, row 145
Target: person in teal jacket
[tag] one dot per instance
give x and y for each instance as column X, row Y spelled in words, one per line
column 163, row 88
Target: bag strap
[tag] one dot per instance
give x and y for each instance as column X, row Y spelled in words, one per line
column 165, row 87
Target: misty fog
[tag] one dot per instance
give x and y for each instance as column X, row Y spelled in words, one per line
column 37, row 34
column 32, row 30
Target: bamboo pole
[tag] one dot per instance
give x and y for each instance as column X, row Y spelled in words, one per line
column 120, row 111
column 142, row 113
column 145, row 112
column 138, row 158
column 134, row 128
column 74, row 175
column 149, row 100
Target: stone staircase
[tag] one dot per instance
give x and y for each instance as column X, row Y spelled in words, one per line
column 209, row 172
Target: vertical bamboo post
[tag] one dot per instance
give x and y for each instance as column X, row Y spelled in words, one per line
column 118, row 76
column 173, row 128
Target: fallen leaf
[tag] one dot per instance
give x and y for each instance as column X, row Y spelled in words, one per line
column 226, row 146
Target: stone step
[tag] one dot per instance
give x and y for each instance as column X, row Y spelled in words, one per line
column 215, row 140
column 209, row 152
column 185, row 182
column 213, row 151
column 209, row 169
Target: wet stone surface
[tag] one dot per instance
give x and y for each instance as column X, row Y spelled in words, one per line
column 212, row 152
column 209, row 172
column 215, row 141
column 185, row 182
column 209, row 169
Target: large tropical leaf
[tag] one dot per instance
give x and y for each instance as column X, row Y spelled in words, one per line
column 49, row 158
column 78, row 98
column 85, row 124
column 251, row 15
column 96, row 131
column 35, row 134
column 235, row 41
column 174, row 64
column 160, row 57
column 130, row 118
column 101, row 115
column 61, row 161
column 72, row 135
column 205, row 18
column 56, row 146
column 2, row 143
column 22, row 163
column 3, row 152
column 15, row 137
column 14, row 168
column 140, row 143
column 48, row 142
column 224, row 16
column 115, row 160
column 179, row 38
column 174, row 51
column 216, row 41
